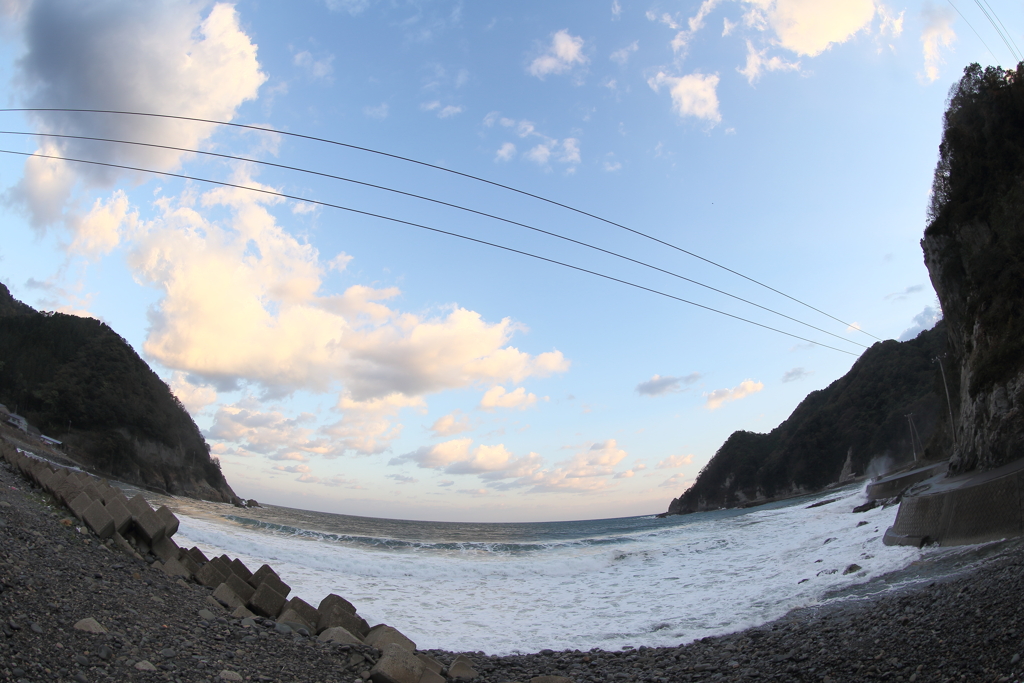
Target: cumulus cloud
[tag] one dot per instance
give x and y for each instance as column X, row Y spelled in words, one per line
column 269, row 433
column 693, row 95
column 194, row 397
column 795, row 375
column 587, row 471
column 565, row 52
column 459, row 456
column 758, row 63
column 676, row 481
column 925, row 320
column 451, row 424
column 241, row 303
column 498, row 397
column 161, row 57
column 809, row 27
column 719, row 397
column 442, row 112
column 100, row 231
column 938, row 33
column 368, row 427
column 658, row 385
column 380, row 112
column 674, row 461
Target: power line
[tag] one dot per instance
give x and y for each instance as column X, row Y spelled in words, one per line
column 312, row 138
column 999, row 31
column 1008, row 34
column 443, row 203
column 283, row 195
column 975, row 30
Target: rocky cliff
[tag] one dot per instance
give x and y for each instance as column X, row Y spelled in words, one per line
column 974, row 251
column 835, row 434
column 79, row 381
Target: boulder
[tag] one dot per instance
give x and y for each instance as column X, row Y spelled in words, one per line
column 98, row 519
column 119, row 513
column 225, row 594
column 89, row 625
column 396, row 665
column 266, row 601
column 337, row 634
column 169, row 520
column 78, row 506
column 381, row 637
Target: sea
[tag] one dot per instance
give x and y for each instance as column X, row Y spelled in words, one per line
column 503, row 588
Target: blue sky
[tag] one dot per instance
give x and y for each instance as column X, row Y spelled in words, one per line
column 345, row 363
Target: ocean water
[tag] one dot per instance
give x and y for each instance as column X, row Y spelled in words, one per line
column 504, row 588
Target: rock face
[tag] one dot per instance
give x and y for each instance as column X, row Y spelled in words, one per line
column 63, row 370
column 835, row 434
column 974, row 250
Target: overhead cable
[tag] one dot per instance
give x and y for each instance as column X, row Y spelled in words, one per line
column 442, row 203
column 389, row 155
column 297, row 198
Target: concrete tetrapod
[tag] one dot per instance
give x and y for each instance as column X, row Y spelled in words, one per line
column 396, row 665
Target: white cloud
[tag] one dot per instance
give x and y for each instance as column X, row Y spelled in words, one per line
column 540, row 154
column 795, row 375
column 674, row 461
column 587, row 471
column 809, row 27
column 616, row 9
column 353, row 7
column 621, row 56
column 694, row 24
column 100, row 230
column 497, row 397
column 727, row 27
column 451, row 424
column 925, row 320
column 241, row 303
column 719, row 397
column 892, row 23
column 676, row 481
column 269, row 433
column 318, row 69
column 380, row 112
column 448, row 111
column 937, row 34
column 570, row 151
column 155, row 57
column 368, row 427
column 757, row 63
column 611, row 166
column 658, row 385
column 506, row 152
column 194, row 397
column 565, row 52
column 692, row 95
column 458, row 456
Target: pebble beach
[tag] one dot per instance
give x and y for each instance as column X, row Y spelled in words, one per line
column 75, row 609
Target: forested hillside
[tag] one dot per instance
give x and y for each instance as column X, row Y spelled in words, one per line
column 79, row 381
column 835, row 432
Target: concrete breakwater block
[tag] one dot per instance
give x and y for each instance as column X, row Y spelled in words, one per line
column 430, row 663
column 98, row 519
column 266, row 602
column 307, row 612
column 79, row 504
column 382, row 636
column 170, row 522
column 334, row 611
column 228, row 596
column 294, row 620
column 243, row 590
column 211, row 575
column 239, row 568
column 462, row 669
column 337, row 634
column 165, row 549
column 119, row 513
column 149, row 526
column 197, row 556
column 396, row 665
column 138, row 505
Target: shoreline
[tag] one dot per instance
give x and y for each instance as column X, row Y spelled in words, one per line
column 968, row 624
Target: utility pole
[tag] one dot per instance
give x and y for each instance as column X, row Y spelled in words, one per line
column 949, row 404
column 910, row 421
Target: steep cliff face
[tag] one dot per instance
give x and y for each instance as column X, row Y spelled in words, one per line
column 77, row 380
column 974, row 251
column 834, row 434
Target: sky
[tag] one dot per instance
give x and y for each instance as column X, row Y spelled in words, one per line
column 768, row 159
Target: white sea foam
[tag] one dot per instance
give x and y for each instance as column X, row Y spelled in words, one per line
column 660, row 587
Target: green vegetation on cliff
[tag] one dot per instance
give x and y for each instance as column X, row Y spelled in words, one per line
column 835, row 431
column 62, row 370
column 974, row 249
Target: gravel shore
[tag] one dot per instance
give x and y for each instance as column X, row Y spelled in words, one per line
column 965, row 627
